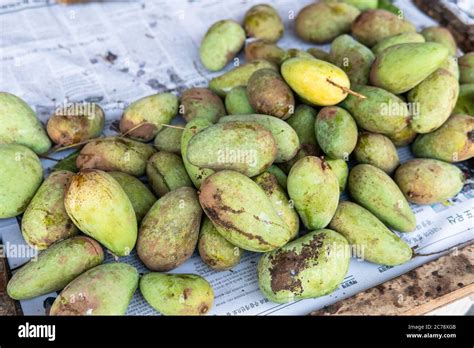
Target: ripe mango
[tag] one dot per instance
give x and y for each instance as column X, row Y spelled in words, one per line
column 263, row 22
column 440, row 35
column 465, row 102
column 341, row 170
column 237, row 102
column 410, row 37
column 403, row 137
column 466, row 67
column 377, row 150
column 261, row 49
column 55, row 268
column 201, row 102
column 169, row 139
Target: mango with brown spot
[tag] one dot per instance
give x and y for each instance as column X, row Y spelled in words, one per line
column 263, row 22
column 201, row 102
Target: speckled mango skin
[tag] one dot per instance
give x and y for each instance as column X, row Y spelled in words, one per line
column 465, row 102
column 237, row 102
column 322, row 22
column 336, row 132
column 170, row 230
column 308, row 79
column 381, row 112
column 137, row 192
column 440, row 85
column 314, row 189
column 398, row 39
column 311, row 266
column 115, row 154
column 440, row 35
column 166, row 172
column 429, row 181
column 377, row 150
column 98, row 205
column 245, row 147
column 20, row 125
column 201, row 102
column 169, row 139
column 352, row 57
column 45, row 220
column 341, row 170
column 242, row 213
column 263, row 22
column 286, row 139
column 302, row 121
column 452, row 142
column 363, row 230
column 261, row 49
column 377, row 192
column 222, row 42
column 103, row 290
column 215, row 251
column 466, row 67
column 403, row 137
column 55, row 268
column 177, row 294
column 154, row 110
column 20, row 177
column 401, row 67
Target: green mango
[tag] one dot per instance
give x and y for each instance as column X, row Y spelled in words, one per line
column 364, row 231
column 45, row 220
column 215, row 250
column 169, row 139
column 98, row 205
column 152, row 111
column 280, row 175
column 440, row 35
column 401, row 67
column 20, row 124
column 137, row 192
column 341, row 170
column 465, row 102
column 389, row 6
column 296, row 53
column 451, row 65
column 242, row 213
column 55, row 268
column 403, row 137
column 314, row 189
column 410, row 37
column 166, row 172
column 177, row 294
column 103, row 290
column 452, row 142
column 263, row 22
column 352, row 57
column 377, row 150
column 302, row 121
column 286, row 139
column 311, row 266
column 336, row 132
column 261, row 49
column 170, row 230
column 115, row 154
column 429, row 181
column 466, row 67
column 220, row 45
column 318, row 53
column 305, row 150
column 377, row 192
column 363, row 5
column 237, row 102
column 68, row 163
column 201, row 102
column 20, row 177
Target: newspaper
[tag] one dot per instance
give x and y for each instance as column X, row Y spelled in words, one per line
column 115, row 52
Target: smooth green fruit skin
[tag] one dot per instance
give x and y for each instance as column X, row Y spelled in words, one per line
column 103, row 290
column 336, row 132
column 201, row 103
column 265, row 50
column 155, row 110
column 465, row 102
column 55, row 268
column 280, row 175
column 170, row 230
column 115, row 154
column 452, row 142
column 314, row 189
column 285, row 137
column 451, row 65
column 177, row 294
column 245, row 147
column 215, row 250
column 401, row 67
column 352, row 57
column 362, row 229
column 166, row 172
column 222, row 42
column 403, row 137
column 377, row 150
column 311, row 266
column 20, row 176
column 263, row 22
column 363, row 5
column 440, row 85
column 98, row 205
column 45, row 220
column 429, row 181
column 238, row 76
column 302, row 121
column 410, row 37
column 377, row 192
column 237, row 102
column 68, row 163
column 137, row 192
column 442, row 36
column 242, row 213
column 169, row 139
column 20, row 124
column 381, row 112
column 341, row 170
column 466, row 66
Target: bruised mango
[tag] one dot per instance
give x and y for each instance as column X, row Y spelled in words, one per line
column 103, row 290
column 398, row 39
column 440, row 35
column 201, row 102
column 319, row 53
column 341, row 170
column 377, row 150
column 363, row 230
column 177, row 294
column 466, row 67
column 55, row 268
column 242, row 213
column 376, row 191
column 169, row 138
column 261, row 49
column 237, row 102
column 403, row 137
column 311, row 266
column 465, row 102
column 263, row 22
column 45, row 220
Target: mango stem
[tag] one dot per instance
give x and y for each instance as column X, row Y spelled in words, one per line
column 345, row 89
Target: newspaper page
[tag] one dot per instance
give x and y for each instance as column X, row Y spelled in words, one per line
column 115, row 52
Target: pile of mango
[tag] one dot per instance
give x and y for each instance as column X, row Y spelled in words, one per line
column 259, row 164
